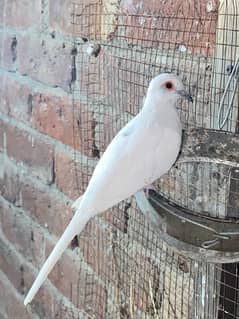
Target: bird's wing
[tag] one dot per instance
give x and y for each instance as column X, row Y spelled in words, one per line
column 138, row 155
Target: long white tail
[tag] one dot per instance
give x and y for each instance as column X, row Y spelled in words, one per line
column 76, row 225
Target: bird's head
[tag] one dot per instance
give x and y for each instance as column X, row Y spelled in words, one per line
column 168, row 87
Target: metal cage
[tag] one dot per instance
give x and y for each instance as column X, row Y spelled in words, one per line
column 133, row 271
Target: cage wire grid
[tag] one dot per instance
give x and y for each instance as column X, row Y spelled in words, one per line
column 133, row 273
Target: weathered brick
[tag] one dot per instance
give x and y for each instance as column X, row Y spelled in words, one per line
column 166, row 24
column 146, row 282
column 60, row 16
column 15, row 98
column 118, row 217
column 48, row 305
column 31, row 243
column 10, row 304
column 109, row 253
column 25, row 148
column 68, row 276
column 13, row 270
column 1, row 46
column 45, row 59
column 52, row 115
column 8, row 46
column 56, row 117
column 21, row 276
column 9, row 182
column 96, row 244
column 71, row 178
column 26, row 238
column 22, row 14
column 179, row 23
column 122, row 96
column 73, row 281
column 45, row 304
column 48, row 209
column 2, row 138
column 2, row 3
column 169, row 8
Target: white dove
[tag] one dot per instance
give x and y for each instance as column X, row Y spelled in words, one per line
column 140, row 153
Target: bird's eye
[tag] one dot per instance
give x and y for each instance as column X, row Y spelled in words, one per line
column 169, row 85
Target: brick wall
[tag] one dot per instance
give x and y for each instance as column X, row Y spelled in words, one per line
column 37, row 171
column 36, row 153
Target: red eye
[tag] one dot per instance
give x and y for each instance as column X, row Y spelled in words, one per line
column 169, row 85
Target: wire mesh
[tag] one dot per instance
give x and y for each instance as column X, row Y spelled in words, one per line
column 135, row 274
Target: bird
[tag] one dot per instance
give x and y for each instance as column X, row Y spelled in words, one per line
column 140, row 153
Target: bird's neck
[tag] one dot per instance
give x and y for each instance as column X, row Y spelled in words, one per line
column 164, row 108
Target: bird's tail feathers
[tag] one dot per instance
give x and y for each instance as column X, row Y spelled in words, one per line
column 75, row 227
column 76, row 204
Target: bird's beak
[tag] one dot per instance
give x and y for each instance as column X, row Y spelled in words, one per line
column 184, row 94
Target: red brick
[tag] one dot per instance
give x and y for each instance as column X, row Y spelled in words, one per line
column 56, row 117
column 60, row 16
column 25, row 148
column 8, row 46
column 49, row 114
column 2, row 3
column 23, row 13
column 47, row 60
column 108, row 255
column 2, row 138
column 10, row 304
column 68, row 276
column 147, row 275
column 194, row 33
column 98, row 80
column 12, row 267
column 71, row 177
column 73, row 281
column 169, row 8
column 16, row 98
column 87, row 18
column 93, row 69
column 117, row 218
column 9, row 183
column 21, row 277
column 26, row 238
column 96, row 246
column 1, row 45
column 45, row 207
column 31, row 243
column 45, row 304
